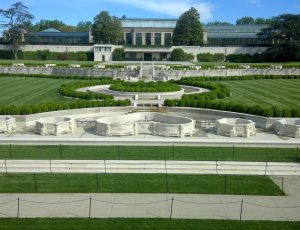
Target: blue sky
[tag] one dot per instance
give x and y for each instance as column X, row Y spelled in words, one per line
column 73, row 11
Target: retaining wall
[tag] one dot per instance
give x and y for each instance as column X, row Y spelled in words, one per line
column 121, row 73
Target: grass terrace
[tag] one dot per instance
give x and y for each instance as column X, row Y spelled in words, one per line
column 150, row 153
column 145, row 224
column 138, row 183
column 20, row 91
column 281, row 92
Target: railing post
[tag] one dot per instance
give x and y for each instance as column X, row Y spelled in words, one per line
column 241, row 212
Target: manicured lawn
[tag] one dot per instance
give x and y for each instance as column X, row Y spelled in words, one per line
column 149, row 153
column 45, row 62
column 145, row 224
column 20, row 91
column 137, row 183
column 282, row 93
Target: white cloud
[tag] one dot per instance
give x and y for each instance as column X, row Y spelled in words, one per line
column 170, row 7
column 255, row 2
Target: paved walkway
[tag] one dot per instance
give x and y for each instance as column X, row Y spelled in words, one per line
column 150, row 166
column 263, row 140
column 151, row 206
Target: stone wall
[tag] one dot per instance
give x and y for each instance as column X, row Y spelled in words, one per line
column 122, row 73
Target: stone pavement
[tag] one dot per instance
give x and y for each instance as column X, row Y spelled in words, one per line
column 291, row 184
column 151, row 166
column 234, row 207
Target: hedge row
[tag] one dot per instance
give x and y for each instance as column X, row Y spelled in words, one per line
column 218, row 91
column 191, row 80
column 71, row 77
column 47, row 107
column 70, row 90
column 142, row 86
column 208, row 57
column 219, row 105
column 62, row 56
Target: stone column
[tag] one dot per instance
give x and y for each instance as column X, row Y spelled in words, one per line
column 152, row 39
column 162, row 39
column 143, row 39
column 133, row 37
column 124, row 36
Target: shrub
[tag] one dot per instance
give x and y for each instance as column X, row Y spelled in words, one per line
column 208, row 57
column 179, row 55
column 118, row 54
column 5, row 54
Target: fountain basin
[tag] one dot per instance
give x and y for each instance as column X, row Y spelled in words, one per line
column 235, row 127
column 157, row 124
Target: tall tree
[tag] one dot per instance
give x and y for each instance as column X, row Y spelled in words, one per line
column 218, row 23
column 283, row 28
column 17, row 17
column 245, row 21
column 107, row 29
column 83, row 26
column 44, row 24
column 188, row 30
column 284, row 31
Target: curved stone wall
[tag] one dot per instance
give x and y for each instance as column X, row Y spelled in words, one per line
column 287, row 128
column 54, row 126
column 7, row 124
column 145, row 123
column 235, row 127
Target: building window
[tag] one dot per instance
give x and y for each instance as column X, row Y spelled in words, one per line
column 138, row 39
column 128, row 39
column 103, row 49
column 163, row 56
column 157, row 41
column 168, row 39
column 148, row 39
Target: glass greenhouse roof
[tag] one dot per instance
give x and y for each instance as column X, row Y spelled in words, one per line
column 149, row 23
column 240, row 31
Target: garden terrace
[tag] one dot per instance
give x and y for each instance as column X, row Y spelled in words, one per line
column 145, row 87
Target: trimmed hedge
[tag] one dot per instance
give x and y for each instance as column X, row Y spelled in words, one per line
column 208, row 57
column 69, row 90
column 179, row 55
column 219, row 91
column 48, row 55
column 47, row 107
column 141, row 86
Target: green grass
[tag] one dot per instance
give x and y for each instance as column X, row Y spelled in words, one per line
column 48, row 61
column 281, row 93
column 245, row 64
column 149, row 153
column 137, row 183
column 145, row 224
column 20, row 91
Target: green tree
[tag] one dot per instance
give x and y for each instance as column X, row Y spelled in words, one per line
column 83, row 26
column 284, row 31
column 283, row 28
column 245, row 21
column 44, row 24
column 179, row 55
column 107, row 29
column 218, row 23
column 262, row 21
column 118, row 54
column 188, row 30
column 16, row 17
